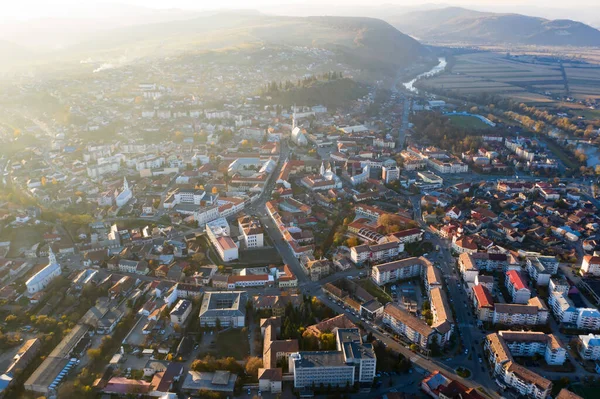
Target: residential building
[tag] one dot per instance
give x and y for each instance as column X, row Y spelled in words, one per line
column 252, row 231
column 483, row 303
column 218, row 233
column 589, row 346
column 516, row 287
column 541, row 268
column 591, row 265
column 229, row 308
column 405, row 324
column 398, row 270
column 525, row 381
column 181, row 311
column 534, row 313
column 353, row 361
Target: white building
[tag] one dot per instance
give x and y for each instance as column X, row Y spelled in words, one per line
column 252, row 231
column 589, row 346
column 591, row 265
column 206, row 214
column 398, row 270
column 95, row 171
column 541, row 268
column 218, row 233
column 353, row 361
column 42, row 279
column 390, row 174
column 181, row 311
column 588, row 319
column 517, row 288
column 124, row 196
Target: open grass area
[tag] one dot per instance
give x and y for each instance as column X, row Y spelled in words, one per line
column 467, row 122
column 233, row 343
column 585, row 391
column 259, row 257
column 561, row 154
column 22, row 238
column 374, row 290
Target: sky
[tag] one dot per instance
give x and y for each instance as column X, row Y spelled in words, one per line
column 32, row 9
column 26, row 9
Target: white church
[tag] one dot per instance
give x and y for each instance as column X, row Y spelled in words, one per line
column 298, row 137
column 41, row 279
column 124, row 196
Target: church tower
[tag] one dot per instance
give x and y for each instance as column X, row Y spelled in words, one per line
column 51, row 256
column 125, row 184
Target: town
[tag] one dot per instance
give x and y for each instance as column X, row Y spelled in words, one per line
column 201, row 227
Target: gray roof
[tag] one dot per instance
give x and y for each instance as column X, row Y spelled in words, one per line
column 222, row 381
column 320, row 359
column 223, row 304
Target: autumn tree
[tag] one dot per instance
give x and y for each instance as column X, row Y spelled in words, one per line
column 352, row 242
column 252, row 365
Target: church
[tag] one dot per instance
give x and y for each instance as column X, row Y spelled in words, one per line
column 325, row 180
column 124, row 196
column 298, row 137
column 41, row 279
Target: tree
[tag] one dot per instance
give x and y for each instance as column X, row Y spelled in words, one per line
column 252, row 365
column 94, row 354
column 198, row 258
column 352, row 242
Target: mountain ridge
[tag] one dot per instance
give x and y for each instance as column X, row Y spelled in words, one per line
column 477, row 27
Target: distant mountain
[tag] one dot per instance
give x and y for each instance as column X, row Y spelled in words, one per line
column 367, row 42
column 454, row 24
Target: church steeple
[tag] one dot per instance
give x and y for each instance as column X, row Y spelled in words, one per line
column 294, row 117
column 51, row 256
column 125, row 184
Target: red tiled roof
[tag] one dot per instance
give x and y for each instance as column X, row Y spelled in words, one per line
column 484, row 299
column 516, row 279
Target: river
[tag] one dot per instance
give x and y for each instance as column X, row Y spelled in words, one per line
column 434, row 71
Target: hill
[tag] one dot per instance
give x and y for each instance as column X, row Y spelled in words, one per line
column 454, row 24
column 364, row 42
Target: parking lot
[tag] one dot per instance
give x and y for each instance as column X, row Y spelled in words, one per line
column 137, row 338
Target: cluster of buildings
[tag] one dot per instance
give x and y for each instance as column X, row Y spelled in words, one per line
column 403, row 322
column 502, row 346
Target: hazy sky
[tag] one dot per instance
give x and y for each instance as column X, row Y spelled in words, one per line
column 25, row 9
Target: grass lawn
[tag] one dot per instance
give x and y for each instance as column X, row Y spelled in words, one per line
column 561, row 154
column 233, row 343
column 374, row 290
column 21, row 238
column 258, row 257
column 468, row 122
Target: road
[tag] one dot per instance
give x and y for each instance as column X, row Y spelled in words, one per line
column 406, row 100
column 258, row 208
column 415, row 358
column 470, row 335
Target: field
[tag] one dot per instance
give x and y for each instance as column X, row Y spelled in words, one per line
column 585, row 391
column 232, row 343
column 21, row 238
column 467, row 122
column 522, row 78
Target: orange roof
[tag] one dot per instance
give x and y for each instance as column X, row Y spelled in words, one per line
column 484, row 299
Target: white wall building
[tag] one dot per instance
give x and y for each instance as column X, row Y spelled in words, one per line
column 42, row 279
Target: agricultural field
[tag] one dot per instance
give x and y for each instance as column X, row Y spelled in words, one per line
column 522, row 78
column 467, row 122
